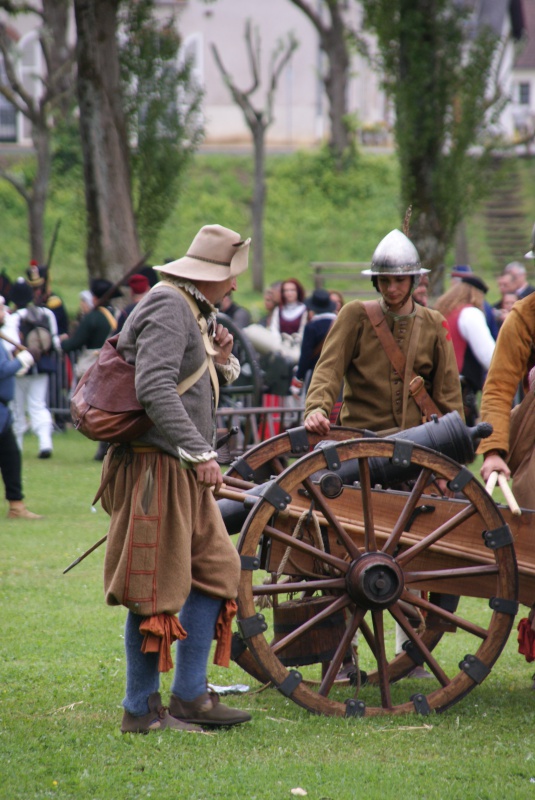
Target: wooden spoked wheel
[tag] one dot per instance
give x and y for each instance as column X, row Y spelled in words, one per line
column 380, row 553
column 271, row 457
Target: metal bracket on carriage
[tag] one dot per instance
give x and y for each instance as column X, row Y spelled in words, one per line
column 249, row 563
column 421, row 705
column 413, row 653
column 275, row 495
column 504, row 606
column 474, row 668
column 290, row 683
column 499, row 537
column 355, row 708
column 299, row 443
column 252, row 626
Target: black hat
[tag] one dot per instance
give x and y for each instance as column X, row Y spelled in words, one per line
column 99, row 287
column 20, row 293
column 37, row 275
column 476, row 282
column 320, row 302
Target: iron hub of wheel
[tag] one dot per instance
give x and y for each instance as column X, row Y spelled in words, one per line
column 374, row 581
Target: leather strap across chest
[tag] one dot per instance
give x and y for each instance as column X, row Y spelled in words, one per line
column 184, row 385
column 412, row 382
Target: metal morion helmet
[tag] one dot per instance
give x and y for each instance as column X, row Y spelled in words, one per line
column 395, row 255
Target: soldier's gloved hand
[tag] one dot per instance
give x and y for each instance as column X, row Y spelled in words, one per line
column 25, row 358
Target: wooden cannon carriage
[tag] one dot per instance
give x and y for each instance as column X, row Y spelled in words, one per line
column 344, row 563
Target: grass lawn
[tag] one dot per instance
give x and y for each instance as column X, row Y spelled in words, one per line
column 62, row 670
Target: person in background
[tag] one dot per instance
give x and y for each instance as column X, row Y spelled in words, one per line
column 237, row 314
column 139, row 286
column 518, row 273
column 160, row 498
column 32, row 388
column 272, row 296
column 505, row 286
column 462, row 307
column 95, row 327
column 10, row 454
column 420, row 294
column 508, row 301
column 86, row 303
column 38, row 277
column 463, row 270
column 338, row 299
column 321, row 315
column 290, row 316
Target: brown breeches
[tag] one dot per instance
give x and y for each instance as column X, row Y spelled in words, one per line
column 166, row 536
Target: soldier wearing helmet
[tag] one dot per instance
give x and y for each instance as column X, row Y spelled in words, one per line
column 375, row 396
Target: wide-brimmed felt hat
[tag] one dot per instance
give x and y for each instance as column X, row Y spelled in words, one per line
column 99, row 287
column 216, row 254
column 320, row 302
column 477, row 283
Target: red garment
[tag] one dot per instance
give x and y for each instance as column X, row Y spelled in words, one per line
column 526, row 640
column 459, row 343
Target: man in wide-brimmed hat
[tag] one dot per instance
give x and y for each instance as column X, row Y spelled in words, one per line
column 168, row 550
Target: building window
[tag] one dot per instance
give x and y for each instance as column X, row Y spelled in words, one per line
column 524, row 94
column 8, row 114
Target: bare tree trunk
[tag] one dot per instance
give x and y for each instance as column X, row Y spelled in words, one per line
column 112, row 244
column 334, row 41
column 37, row 198
column 335, row 81
column 257, row 210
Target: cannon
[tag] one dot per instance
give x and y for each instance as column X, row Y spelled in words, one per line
column 343, row 561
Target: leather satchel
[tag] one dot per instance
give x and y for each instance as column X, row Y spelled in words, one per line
column 104, row 406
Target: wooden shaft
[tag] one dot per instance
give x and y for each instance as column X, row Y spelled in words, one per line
column 509, row 496
column 16, row 345
column 492, row 481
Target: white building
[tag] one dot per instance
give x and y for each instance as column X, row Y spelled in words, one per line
column 300, row 107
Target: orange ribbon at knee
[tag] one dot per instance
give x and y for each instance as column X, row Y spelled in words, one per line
column 223, row 633
column 160, row 631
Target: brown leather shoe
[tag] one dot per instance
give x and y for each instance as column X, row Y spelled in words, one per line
column 17, row 510
column 158, row 719
column 206, row 710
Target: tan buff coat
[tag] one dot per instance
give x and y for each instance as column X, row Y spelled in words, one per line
column 513, row 432
column 372, row 390
column 508, row 367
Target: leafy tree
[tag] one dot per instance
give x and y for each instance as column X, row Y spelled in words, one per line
column 42, row 109
column 112, row 245
column 161, row 103
column 258, row 121
column 338, row 39
column 440, row 76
